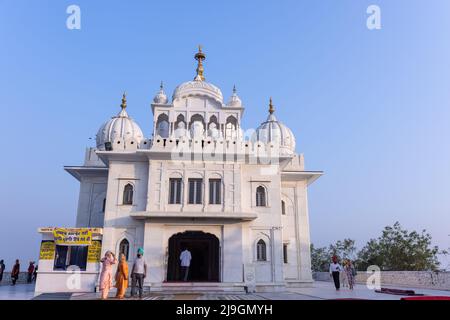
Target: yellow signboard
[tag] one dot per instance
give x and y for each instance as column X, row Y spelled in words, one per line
column 94, row 251
column 95, row 231
column 72, row 237
column 47, row 250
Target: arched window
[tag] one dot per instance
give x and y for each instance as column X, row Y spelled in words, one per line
column 261, row 197
column 197, row 118
column 180, row 127
column 283, row 207
column 124, row 247
column 213, row 128
column 261, row 250
column 180, row 118
column 231, row 128
column 197, row 130
column 128, row 194
column 162, row 126
column 163, row 129
column 197, row 127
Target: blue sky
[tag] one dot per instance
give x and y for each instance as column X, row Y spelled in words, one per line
column 370, row 108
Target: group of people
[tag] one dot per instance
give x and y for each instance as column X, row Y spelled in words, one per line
column 344, row 273
column 15, row 272
column 138, row 273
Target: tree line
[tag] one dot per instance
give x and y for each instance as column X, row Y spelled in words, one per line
column 396, row 249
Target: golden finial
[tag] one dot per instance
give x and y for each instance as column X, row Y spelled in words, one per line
column 200, row 56
column 124, row 101
column 271, row 109
column 161, row 86
column 234, row 89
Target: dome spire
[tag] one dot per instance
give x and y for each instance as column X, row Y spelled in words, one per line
column 271, row 108
column 235, row 101
column 124, row 101
column 160, row 97
column 200, row 56
column 123, row 113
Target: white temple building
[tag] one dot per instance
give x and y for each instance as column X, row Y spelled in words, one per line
column 236, row 199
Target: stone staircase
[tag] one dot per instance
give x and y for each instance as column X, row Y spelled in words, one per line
column 197, row 287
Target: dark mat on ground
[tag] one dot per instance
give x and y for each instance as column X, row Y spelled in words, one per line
column 399, row 292
column 426, row 298
column 53, row 296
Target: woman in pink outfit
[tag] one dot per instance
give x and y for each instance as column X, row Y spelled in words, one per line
column 106, row 275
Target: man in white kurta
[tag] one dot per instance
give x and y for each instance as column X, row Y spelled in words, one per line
column 185, row 259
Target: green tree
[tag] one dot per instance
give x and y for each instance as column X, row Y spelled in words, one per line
column 345, row 249
column 320, row 259
column 369, row 255
column 398, row 249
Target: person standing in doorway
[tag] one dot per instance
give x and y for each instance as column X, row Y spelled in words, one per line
column 335, row 270
column 138, row 273
column 185, row 259
column 2, row 269
column 15, row 273
column 30, row 272
column 106, row 275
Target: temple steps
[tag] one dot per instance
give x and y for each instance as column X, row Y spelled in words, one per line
column 197, row 287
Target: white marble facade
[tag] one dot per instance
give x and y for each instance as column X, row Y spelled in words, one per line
column 262, row 194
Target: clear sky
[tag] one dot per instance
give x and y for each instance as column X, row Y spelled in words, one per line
column 368, row 107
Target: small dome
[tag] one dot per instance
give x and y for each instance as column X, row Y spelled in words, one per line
column 235, row 101
column 119, row 127
column 160, row 97
column 197, row 88
column 274, row 131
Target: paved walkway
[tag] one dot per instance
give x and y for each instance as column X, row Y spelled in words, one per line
column 326, row 290
column 319, row 291
column 17, row 292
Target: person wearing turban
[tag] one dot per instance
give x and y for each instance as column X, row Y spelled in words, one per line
column 335, row 270
column 138, row 273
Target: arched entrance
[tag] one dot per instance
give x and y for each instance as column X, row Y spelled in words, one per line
column 204, row 248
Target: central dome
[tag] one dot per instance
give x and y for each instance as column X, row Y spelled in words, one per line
column 197, row 88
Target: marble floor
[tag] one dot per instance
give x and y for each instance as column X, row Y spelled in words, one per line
column 17, row 292
column 319, row 291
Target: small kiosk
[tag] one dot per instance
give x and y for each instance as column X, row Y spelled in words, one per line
column 69, row 260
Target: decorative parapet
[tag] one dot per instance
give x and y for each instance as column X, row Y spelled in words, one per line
column 211, row 148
